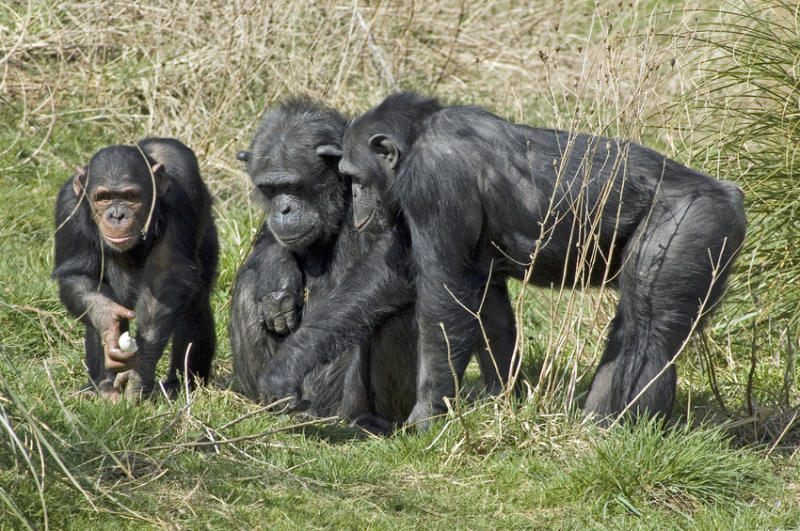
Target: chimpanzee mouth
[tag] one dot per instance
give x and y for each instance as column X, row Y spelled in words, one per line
column 364, row 223
column 116, row 241
column 294, row 240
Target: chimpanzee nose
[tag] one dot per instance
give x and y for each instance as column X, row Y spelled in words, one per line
column 116, row 213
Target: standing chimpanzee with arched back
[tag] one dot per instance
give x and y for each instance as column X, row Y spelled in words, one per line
column 134, row 230
column 481, row 194
column 352, row 352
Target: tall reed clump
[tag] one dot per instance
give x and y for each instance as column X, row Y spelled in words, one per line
column 743, row 118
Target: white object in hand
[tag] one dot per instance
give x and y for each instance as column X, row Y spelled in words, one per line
column 127, row 343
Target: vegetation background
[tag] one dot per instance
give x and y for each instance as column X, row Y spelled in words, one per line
column 713, row 87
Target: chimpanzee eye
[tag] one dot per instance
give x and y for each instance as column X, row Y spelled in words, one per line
column 293, row 189
column 267, row 189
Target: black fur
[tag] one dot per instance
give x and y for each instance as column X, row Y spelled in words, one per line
column 481, row 194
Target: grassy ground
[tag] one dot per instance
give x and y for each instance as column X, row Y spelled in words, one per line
column 75, row 76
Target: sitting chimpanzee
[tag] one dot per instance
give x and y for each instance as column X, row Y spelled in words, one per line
column 134, row 230
column 357, row 288
column 353, row 347
column 484, row 196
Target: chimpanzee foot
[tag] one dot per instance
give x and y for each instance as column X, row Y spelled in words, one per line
column 373, row 424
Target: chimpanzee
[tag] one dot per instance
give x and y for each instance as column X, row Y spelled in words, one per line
column 313, row 284
column 352, row 352
column 134, row 231
column 482, row 195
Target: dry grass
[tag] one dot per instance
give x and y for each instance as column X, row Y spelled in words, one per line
column 203, row 72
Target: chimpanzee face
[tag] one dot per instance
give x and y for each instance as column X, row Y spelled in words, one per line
column 119, row 184
column 370, row 160
column 293, row 167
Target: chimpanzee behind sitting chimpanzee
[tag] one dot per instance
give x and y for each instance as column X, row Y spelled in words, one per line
column 485, row 199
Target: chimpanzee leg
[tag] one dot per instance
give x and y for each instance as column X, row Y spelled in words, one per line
column 356, row 404
column 674, row 271
column 447, row 336
column 497, row 318
column 252, row 345
column 193, row 345
column 648, row 341
column 635, row 355
column 158, row 318
column 99, row 377
column 387, row 376
column 598, row 401
column 266, row 305
column 355, row 398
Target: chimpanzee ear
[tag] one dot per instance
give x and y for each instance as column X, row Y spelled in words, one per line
column 79, row 180
column 244, row 156
column 383, row 146
column 162, row 179
column 329, row 150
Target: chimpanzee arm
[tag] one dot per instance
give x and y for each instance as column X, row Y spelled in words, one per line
column 78, row 270
column 375, row 289
column 78, row 267
column 278, row 294
column 265, row 307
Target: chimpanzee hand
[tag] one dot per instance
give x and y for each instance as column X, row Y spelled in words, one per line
column 281, row 311
column 274, row 384
column 280, row 298
column 107, row 316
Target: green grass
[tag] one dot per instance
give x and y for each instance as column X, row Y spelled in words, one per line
column 77, row 76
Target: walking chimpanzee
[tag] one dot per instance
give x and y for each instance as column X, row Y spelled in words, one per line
column 482, row 195
column 135, row 238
